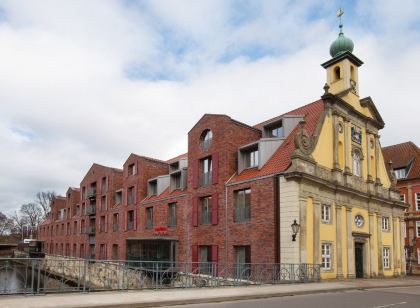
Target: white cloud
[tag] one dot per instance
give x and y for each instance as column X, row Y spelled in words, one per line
column 67, row 101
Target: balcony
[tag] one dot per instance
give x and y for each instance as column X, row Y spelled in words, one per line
column 90, row 256
column 91, row 193
column 91, row 210
column 92, row 240
column 205, row 179
column 90, row 230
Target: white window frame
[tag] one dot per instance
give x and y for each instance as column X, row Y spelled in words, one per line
column 417, row 200
column 386, row 257
column 326, row 213
column 402, row 198
column 418, row 228
column 326, row 256
column 385, row 223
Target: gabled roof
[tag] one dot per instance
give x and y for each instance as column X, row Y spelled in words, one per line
column 176, row 158
column 281, row 159
column 404, row 155
column 146, row 158
column 368, row 102
column 206, row 115
column 95, row 166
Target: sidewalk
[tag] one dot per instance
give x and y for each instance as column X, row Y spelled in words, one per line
column 152, row 298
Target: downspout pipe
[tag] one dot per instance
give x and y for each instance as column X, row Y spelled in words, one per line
column 226, row 219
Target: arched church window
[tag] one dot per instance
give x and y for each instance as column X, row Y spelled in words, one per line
column 337, row 73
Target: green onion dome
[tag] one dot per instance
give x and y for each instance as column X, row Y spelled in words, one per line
column 341, row 45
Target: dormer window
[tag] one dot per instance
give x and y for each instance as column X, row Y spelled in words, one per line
column 206, row 138
column 400, row 173
column 277, row 131
column 152, row 188
column 176, row 181
column 131, row 169
column 251, row 159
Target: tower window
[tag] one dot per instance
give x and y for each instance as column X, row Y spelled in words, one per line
column 337, row 73
column 352, row 73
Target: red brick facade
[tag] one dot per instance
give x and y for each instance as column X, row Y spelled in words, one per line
column 405, row 160
column 119, row 214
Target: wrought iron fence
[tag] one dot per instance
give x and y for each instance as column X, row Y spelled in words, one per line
column 63, row 274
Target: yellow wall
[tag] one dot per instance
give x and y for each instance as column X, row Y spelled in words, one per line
column 310, row 232
column 323, row 152
column 382, row 172
column 328, row 233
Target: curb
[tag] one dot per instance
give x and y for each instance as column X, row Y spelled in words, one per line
column 239, row 297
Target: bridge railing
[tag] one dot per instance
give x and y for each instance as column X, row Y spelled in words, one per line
column 62, row 274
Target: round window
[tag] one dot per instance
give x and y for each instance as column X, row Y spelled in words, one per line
column 359, row 221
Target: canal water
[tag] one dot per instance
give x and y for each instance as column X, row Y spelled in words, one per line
column 22, row 277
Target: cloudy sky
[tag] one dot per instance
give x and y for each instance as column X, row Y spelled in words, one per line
column 93, row 81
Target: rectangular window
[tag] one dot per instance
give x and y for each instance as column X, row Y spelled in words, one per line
column 102, row 224
column 130, row 220
column 102, row 252
column 385, row 223
column 205, row 259
column 251, row 159
column 386, row 257
column 418, row 228
column 326, row 213
column 115, row 252
column 171, row 214
column 176, row 181
column 402, row 198
column 118, row 197
column 418, row 255
column 149, row 217
column 103, row 203
column 417, row 199
column 326, row 256
column 131, row 169
column 242, row 205
column 205, row 210
column 74, row 254
column 103, row 185
column 206, row 171
column 130, row 195
column 400, row 173
column 242, row 261
column 68, row 229
column 115, row 222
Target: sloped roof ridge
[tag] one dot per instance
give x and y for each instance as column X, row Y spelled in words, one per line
column 294, row 111
column 149, row 158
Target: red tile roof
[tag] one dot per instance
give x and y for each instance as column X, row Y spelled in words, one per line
column 404, row 155
column 165, row 194
column 281, row 159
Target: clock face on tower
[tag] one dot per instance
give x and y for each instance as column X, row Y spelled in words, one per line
column 359, row 221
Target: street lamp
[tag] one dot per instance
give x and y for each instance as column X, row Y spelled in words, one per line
column 295, row 229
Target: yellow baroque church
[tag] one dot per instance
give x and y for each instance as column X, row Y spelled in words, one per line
column 339, row 187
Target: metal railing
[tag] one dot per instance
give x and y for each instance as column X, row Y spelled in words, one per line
column 205, row 178
column 91, row 193
column 61, row 274
column 91, row 210
column 242, row 214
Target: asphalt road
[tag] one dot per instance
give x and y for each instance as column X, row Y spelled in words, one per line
column 400, row 297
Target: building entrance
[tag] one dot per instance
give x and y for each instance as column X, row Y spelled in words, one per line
column 358, row 251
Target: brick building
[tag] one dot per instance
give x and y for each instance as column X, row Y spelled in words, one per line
column 231, row 199
column 405, row 161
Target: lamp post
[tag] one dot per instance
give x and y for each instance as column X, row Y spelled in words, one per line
column 295, row 230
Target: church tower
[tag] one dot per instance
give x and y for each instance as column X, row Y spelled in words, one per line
column 342, row 69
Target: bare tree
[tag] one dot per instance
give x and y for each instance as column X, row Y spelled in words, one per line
column 43, row 199
column 19, row 223
column 33, row 212
column 6, row 224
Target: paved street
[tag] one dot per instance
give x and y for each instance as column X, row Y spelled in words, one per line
column 404, row 297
